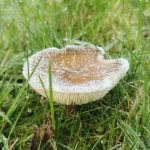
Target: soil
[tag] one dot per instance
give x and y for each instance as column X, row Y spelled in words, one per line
column 43, row 136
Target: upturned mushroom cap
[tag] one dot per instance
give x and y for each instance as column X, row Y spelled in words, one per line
column 79, row 74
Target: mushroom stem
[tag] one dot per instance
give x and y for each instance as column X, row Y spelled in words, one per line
column 70, row 109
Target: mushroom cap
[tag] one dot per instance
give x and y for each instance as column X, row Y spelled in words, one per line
column 79, row 74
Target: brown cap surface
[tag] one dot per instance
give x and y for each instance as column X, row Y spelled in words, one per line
column 79, row 74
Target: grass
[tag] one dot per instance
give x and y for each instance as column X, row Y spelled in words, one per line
column 121, row 120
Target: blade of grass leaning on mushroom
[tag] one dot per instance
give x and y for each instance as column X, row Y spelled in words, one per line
column 80, row 74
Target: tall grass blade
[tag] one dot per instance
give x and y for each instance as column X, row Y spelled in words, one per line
column 51, row 101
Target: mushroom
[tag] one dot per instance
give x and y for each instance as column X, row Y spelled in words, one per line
column 80, row 74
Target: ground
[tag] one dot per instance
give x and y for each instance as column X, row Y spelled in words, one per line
column 121, row 120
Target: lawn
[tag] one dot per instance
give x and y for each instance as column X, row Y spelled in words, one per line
column 119, row 121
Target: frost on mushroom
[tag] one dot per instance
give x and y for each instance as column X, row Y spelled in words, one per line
column 79, row 74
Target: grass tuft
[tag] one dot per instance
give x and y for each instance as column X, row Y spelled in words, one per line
column 121, row 120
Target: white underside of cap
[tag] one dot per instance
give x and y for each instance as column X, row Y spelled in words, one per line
column 66, row 93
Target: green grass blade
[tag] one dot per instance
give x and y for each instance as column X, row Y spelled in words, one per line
column 51, row 101
column 18, row 98
column 43, row 86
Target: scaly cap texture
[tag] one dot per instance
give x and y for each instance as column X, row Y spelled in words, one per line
column 79, row 74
